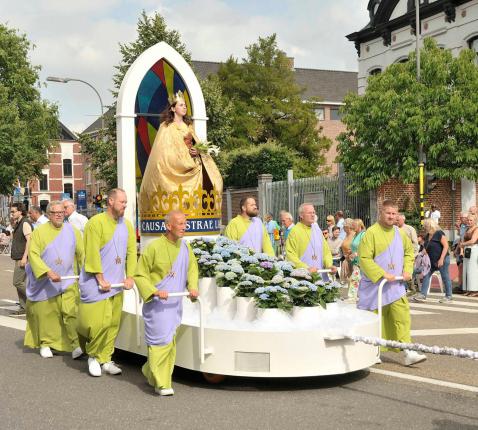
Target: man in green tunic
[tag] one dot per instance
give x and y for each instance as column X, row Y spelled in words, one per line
column 306, row 246
column 110, row 251
column 55, row 250
column 248, row 229
column 167, row 265
column 386, row 252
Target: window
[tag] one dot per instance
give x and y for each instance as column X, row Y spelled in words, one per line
column 473, row 44
column 67, row 167
column 335, row 114
column 44, row 204
column 68, row 189
column 320, row 113
column 375, row 71
column 43, row 182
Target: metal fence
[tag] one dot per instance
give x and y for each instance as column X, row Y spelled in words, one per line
column 328, row 194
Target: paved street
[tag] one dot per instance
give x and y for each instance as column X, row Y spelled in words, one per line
column 58, row 393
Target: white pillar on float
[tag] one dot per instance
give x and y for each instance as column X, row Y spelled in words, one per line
column 125, row 113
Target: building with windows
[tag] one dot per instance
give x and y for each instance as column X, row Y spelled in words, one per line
column 388, row 38
column 64, row 175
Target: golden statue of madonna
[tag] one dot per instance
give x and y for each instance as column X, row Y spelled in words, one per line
column 178, row 175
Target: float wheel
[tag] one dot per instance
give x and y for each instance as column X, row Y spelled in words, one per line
column 213, row 378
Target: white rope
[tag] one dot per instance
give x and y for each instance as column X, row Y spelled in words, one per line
column 461, row 353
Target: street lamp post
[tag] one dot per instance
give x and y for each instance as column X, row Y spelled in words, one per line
column 421, row 155
column 66, row 80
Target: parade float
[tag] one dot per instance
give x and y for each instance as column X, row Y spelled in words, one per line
column 255, row 316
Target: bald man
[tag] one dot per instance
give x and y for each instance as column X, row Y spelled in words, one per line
column 110, row 258
column 167, row 265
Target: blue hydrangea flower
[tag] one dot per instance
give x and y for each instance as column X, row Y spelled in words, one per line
column 264, row 297
column 230, row 276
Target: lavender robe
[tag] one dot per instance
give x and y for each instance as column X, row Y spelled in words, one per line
column 113, row 272
column 314, row 249
column 162, row 317
column 59, row 255
column 392, row 291
column 253, row 235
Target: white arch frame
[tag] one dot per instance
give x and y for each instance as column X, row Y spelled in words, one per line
column 125, row 114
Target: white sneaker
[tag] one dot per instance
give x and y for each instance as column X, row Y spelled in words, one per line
column 111, row 368
column 45, row 352
column 76, row 353
column 445, row 300
column 164, row 391
column 94, row 367
column 413, row 357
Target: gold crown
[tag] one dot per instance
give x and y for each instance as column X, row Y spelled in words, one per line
column 176, row 97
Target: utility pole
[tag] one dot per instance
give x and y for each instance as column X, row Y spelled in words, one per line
column 421, row 155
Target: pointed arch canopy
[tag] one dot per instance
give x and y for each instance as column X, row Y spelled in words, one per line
column 157, row 73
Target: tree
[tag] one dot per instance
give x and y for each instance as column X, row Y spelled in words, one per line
column 28, row 123
column 151, row 30
column 218, row 110
column 265, row 158
column 267, row 107
column 386, row 125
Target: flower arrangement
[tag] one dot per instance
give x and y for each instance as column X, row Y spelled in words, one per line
column 331, row 290
column 272, row 283
column 248, row 284
column 207, row 148
column 228, row 274
column 273, row 297
column 306, row 294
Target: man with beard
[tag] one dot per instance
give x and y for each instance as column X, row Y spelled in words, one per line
column 247, row 228
column 110, row 251
column 167, row 265
column 56, row 250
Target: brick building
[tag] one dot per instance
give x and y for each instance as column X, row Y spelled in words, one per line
column 388, row 38
column 63, row 175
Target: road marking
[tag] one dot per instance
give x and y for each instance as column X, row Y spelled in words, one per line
column 9, row 308
column 455, row 296
column 415, row 312
column 444, row 331
column 443, row 308
column 439, row 382
column 13, row 323
column 9, row 270
column 455, row 303
column 8, row 301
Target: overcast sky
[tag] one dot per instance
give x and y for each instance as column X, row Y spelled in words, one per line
column 79, row 39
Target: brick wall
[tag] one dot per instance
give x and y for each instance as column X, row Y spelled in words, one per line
column 407, row 196
column 331, row 129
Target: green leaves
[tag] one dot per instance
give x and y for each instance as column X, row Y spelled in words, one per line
column 28, row 124
column 396, row 114
column 267, row 109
